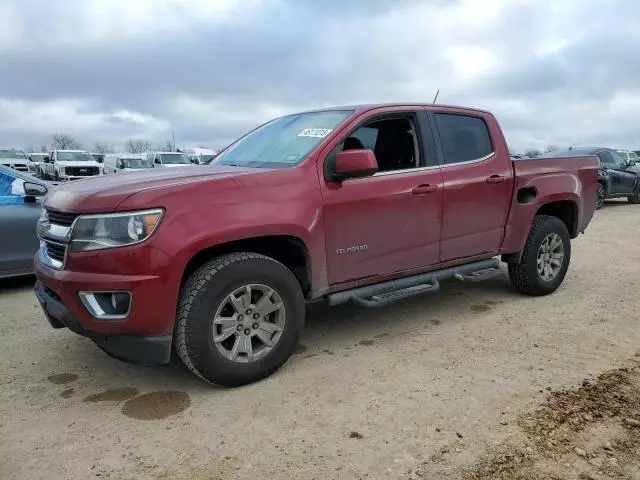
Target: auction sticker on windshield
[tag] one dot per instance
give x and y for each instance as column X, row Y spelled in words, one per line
column 315, row 132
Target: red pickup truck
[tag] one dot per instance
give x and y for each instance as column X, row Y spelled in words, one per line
column 369, row 204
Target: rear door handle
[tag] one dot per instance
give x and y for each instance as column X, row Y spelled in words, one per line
column 424, row 189
column 495, row 179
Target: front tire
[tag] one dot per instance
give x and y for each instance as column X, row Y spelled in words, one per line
column 545, row 258
column 239, row 319
column 601, row 195
column 634, row 198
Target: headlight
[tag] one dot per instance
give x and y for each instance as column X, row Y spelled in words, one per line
column 95, row 232
column 60, row 171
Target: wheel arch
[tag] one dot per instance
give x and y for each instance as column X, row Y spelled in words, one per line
column 564, row 209
column 289, row 250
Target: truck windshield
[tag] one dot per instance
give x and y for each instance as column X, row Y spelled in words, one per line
column 14, row 154
column 174, row 158
column 74, row 157
column 283, row 142
column 135, row 163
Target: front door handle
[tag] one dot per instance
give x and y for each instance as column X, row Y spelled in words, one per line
column 424, row 189
column 495, row 179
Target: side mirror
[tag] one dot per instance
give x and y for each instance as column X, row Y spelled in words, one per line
column 34, row 189
column 46, row 159
column 354, row 164
column 631, row 163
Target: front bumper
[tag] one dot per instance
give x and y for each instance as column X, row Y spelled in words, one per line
column 139, row 350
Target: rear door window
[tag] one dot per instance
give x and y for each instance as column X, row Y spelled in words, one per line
column 464, row 138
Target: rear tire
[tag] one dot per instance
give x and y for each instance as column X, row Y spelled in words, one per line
column 545, row 258
column 213, row 288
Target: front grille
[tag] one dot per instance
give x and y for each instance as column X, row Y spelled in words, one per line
column 61, row 218
column 55, row 251
column 81, row 171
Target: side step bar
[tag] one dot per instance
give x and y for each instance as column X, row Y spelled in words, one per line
column 386, row 293
column 479, row 276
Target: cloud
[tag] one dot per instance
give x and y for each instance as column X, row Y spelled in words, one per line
column 553, row 72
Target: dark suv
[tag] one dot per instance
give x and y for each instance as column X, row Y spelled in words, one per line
column 617, row 177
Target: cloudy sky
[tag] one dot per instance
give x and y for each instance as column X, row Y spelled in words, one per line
column 556, row 72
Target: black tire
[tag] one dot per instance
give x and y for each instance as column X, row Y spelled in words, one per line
column 635, row 197
column 206, row 289
column 601, row 195
column 56, row 177
column 524, row 275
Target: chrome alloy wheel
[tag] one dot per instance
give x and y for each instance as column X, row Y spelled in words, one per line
column 249, row 323
column 550, row 257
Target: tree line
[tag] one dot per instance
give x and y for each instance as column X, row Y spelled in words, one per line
column 63, row 141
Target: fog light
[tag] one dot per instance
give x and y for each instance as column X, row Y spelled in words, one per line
column 107, row 305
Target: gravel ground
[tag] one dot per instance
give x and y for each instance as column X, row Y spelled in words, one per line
column 468, row 383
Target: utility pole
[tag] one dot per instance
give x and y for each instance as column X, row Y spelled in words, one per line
column 173, row 135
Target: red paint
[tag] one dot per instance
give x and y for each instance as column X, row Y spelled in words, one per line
column 399, row 223
column 356, row 161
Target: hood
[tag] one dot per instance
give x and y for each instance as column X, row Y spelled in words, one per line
column 11, row 161
column 81, row 163
column 634, row 168
column 105, row 192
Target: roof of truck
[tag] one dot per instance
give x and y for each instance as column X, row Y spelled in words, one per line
column 371, row 106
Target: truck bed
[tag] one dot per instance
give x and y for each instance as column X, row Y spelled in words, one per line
column 538, row 181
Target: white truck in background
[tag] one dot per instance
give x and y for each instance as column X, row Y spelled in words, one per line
column 17, row 160
column 63, row 165
column 125, row 162
column 198, row 155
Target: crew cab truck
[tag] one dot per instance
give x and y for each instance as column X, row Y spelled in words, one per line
column 63, row 165
column 366, row 204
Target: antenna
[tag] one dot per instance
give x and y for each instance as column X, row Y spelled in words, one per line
column 436, row 97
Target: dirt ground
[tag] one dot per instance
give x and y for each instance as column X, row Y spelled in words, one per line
column 475, row 383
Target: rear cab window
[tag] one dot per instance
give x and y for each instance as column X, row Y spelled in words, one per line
column 464, row 138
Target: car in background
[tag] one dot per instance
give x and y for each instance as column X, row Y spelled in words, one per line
column 62, row 165
column 125, row 162
column 630, row 156
column 99, row 157
column 618, row 176
column 17, row 160
column 199, row 156
column 37, row 159
column 20, row 208
column 168, row 159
